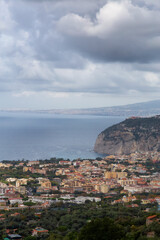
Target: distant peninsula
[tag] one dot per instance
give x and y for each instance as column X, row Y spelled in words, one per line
column 135, row 134
column 144, row 109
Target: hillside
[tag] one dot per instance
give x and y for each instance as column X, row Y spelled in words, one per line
column 150, row 108
column 129, row 136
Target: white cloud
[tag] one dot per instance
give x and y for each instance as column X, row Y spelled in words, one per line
column 152, row 79
column 6, row 21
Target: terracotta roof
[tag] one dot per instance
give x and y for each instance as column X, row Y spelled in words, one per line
column 151, row 217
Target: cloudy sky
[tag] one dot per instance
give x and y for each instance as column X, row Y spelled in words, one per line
column 78, row 53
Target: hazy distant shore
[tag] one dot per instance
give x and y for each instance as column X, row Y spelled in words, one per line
column 138, row 109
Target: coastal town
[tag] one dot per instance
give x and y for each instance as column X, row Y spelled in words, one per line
column 131, row 180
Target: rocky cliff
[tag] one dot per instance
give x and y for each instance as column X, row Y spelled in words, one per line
column 129, row 136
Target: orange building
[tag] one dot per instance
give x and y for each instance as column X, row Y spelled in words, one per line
column 115, row 175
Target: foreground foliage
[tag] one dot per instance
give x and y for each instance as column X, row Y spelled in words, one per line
column 90, row 221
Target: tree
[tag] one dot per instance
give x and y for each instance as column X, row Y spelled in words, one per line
column 30, row 238
column 29, row 204
column 101, row 229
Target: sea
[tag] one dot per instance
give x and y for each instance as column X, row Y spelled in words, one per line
column 34, row 136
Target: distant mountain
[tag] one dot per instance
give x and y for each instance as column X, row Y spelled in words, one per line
column 138, row 109
column 132, row 135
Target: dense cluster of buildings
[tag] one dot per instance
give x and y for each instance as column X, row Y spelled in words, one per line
column 57, row 179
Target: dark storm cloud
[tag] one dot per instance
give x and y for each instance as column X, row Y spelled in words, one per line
column 121, row 31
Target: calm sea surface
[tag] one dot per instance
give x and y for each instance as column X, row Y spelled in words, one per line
column 42, row 136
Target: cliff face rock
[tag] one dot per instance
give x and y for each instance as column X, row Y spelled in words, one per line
column 129, row 136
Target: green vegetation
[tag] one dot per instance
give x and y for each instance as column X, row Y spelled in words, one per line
column 91, row 221
column 137, row 125
column 101, row 229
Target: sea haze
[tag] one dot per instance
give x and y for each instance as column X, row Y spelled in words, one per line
column 42, row 136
